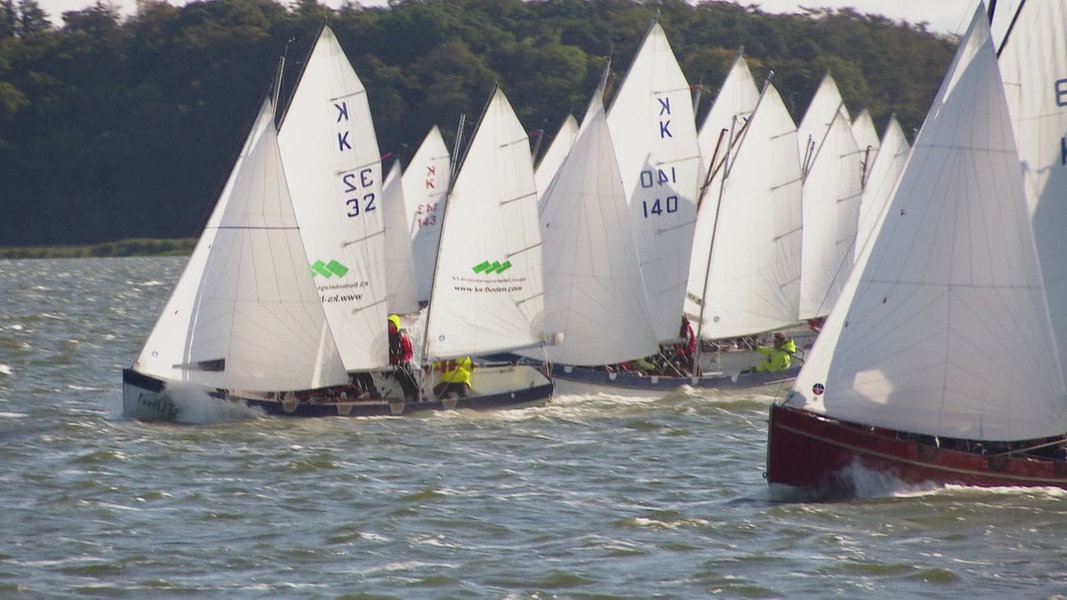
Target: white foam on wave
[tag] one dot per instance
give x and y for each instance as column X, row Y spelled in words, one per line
column 195, row 406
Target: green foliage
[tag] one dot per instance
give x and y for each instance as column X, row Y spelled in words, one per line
column 116, row 128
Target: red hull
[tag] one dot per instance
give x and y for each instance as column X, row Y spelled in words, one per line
column 814, row 453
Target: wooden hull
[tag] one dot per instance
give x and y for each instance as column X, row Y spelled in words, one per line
column 149, row 399
column 572, row 379
column 816, row 457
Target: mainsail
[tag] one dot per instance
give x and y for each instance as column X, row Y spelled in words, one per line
column 654, row 130
column 425, row 182
column 488, row 294
column 334, row 171
column 744, row 274
column 594, row 291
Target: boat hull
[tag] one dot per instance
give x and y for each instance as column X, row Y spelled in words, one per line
column 816, row 456
column 573, row 379
column 499, row 387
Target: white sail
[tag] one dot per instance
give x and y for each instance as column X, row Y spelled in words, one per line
column 488, row 294
column 866, row 140
column 400, row 268
column 1033, row 62
column 561, row 144
column 654, row 131
column 334, row 171
column 833, row 187
column 736, row 98
column 952, row 272
column 823, row 109
column 425, row 191
column 594, row 292
column 245, row 313
column 745, row 270
column 882, row 177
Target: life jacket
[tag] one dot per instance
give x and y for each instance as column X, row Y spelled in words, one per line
column 456, row 370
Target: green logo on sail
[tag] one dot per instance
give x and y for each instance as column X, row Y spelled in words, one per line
column 327, row 270
column 492, row 267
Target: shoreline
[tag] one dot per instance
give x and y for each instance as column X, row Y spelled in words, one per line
column 130, row 247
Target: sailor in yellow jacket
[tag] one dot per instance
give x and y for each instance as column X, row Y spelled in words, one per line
column 778, row 358
column 455, row 378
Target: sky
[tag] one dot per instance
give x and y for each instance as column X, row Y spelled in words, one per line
column 946, row 16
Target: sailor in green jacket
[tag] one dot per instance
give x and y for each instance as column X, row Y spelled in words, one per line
column 778, row 358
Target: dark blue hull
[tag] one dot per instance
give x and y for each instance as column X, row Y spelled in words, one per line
column 600, row 379
column 147, row 398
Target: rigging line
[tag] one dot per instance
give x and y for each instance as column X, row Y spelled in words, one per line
column 1011, row 25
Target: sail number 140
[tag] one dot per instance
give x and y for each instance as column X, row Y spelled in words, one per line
column 657, row 178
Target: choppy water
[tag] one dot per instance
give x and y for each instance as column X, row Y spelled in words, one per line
column 588, row 497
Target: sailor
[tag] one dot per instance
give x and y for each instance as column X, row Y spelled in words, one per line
column 400, row 354
column 455, row 378
column 778, row 358
column 684, row 353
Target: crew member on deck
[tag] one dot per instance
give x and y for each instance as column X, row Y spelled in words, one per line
column 778, row 358
column 455, row 378
column 400, row 354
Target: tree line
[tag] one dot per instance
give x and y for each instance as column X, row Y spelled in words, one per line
column 114, row 128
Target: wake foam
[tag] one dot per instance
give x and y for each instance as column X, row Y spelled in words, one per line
column 195, row 406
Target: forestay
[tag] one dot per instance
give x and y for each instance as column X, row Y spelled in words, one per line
column 244, row 313
column 654, row 130
column 488, row 294
column 334, row 172
column 952, row 272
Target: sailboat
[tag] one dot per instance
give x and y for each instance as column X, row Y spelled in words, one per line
column 256, row 320
column 593, row 279
column 752, row 287
column 245, row 314
column 893, row 384
column 487, row 295
column 744, row 273
column 653, row 131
